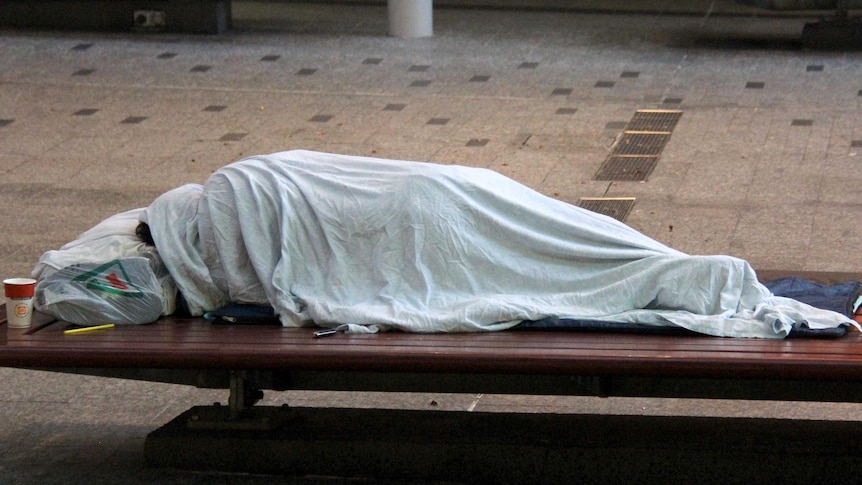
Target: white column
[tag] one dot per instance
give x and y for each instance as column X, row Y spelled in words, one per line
column 410, row 19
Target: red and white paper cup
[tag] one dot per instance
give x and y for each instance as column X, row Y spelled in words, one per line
column 19, row 301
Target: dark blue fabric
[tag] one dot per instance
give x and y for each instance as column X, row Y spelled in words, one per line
column 243, row 314
column 569, row 324
column 574, row 324
column 838, row 297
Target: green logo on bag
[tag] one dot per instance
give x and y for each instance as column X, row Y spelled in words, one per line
column 110, row 278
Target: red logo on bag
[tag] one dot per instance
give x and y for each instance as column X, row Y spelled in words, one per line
column 116, row 282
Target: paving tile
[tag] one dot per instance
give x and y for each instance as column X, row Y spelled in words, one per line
column 793, row 226
column 233, row 136
column 86, row 112
column 134, row 120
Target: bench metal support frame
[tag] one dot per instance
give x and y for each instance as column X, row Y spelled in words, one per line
column 246, row 385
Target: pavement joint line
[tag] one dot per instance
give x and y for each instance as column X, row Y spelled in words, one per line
column 269, row 91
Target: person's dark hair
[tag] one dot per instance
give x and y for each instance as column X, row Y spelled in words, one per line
column 143, row 232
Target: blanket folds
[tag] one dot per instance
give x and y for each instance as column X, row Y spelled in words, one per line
column 384, row 244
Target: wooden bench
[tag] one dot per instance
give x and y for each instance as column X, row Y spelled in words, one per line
column 194, row 352
column 248, row 359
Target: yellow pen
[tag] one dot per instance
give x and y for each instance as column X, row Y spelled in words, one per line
column 88, row 329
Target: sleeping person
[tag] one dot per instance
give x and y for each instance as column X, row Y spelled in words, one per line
column 379, row 244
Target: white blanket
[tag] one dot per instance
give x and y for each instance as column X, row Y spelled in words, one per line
column 378, row 244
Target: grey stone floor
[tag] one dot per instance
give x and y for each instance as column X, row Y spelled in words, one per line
column 762, row 165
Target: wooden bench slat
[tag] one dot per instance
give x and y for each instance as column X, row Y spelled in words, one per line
column 173, row 343
column 191, row 334
column 191, row 331
column 524, row 342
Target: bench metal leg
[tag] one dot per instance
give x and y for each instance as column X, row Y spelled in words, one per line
column 242, row 394
column 240, row 413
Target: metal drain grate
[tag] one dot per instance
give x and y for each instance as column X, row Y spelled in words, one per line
column 635, row 155
column 654, row 120
column 641, row 144
column 627, row 168
column 618, row 207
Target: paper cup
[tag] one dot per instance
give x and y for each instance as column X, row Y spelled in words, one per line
column 19, row 301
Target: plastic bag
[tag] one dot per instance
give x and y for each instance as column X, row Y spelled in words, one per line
column 121, row 291
column 111, row 238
